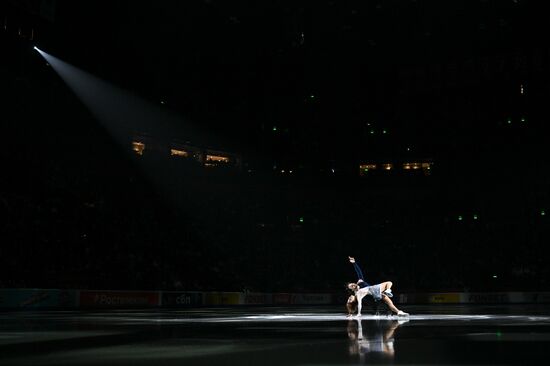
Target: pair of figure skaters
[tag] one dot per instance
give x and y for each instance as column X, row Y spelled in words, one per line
column 381, row 291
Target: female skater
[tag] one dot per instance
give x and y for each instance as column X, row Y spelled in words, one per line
column 360, row 289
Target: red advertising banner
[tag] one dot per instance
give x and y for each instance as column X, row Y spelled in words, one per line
column 117, row 299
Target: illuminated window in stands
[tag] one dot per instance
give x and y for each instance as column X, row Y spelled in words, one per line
column 176, row 152
column 367, row 167
column 217, row 159
column 364, row 168
column 138, row 147
column 413, row 166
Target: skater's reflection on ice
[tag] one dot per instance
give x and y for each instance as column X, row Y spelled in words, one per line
column 377, row 337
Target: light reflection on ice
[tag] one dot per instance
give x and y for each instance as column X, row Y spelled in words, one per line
column 312, row 317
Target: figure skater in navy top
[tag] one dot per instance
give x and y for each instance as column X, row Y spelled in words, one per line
column 381, row 291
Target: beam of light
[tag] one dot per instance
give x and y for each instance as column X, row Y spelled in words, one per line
column 120, row 112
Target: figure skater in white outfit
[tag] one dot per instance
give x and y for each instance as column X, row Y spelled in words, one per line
column 382, row 291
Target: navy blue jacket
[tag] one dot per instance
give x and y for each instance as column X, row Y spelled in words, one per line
column 361, row 281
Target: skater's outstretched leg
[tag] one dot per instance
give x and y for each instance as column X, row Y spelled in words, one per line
column 392, row 307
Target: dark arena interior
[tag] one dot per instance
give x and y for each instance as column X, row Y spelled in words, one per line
column 221, row 182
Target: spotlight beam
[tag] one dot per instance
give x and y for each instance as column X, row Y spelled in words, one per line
column 121, row 112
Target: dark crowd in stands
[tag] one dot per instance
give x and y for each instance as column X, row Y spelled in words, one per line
column 67, row 225
column 79, row 211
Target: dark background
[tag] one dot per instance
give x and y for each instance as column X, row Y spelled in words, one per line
column 307, row 86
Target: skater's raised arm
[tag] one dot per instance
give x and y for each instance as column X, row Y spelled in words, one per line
column 357, row 270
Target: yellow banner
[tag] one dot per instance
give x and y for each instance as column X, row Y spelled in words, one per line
column 444, row 298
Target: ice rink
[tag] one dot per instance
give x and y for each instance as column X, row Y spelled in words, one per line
column 431, row 335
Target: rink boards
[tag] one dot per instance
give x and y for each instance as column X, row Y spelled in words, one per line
column 69, row 299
